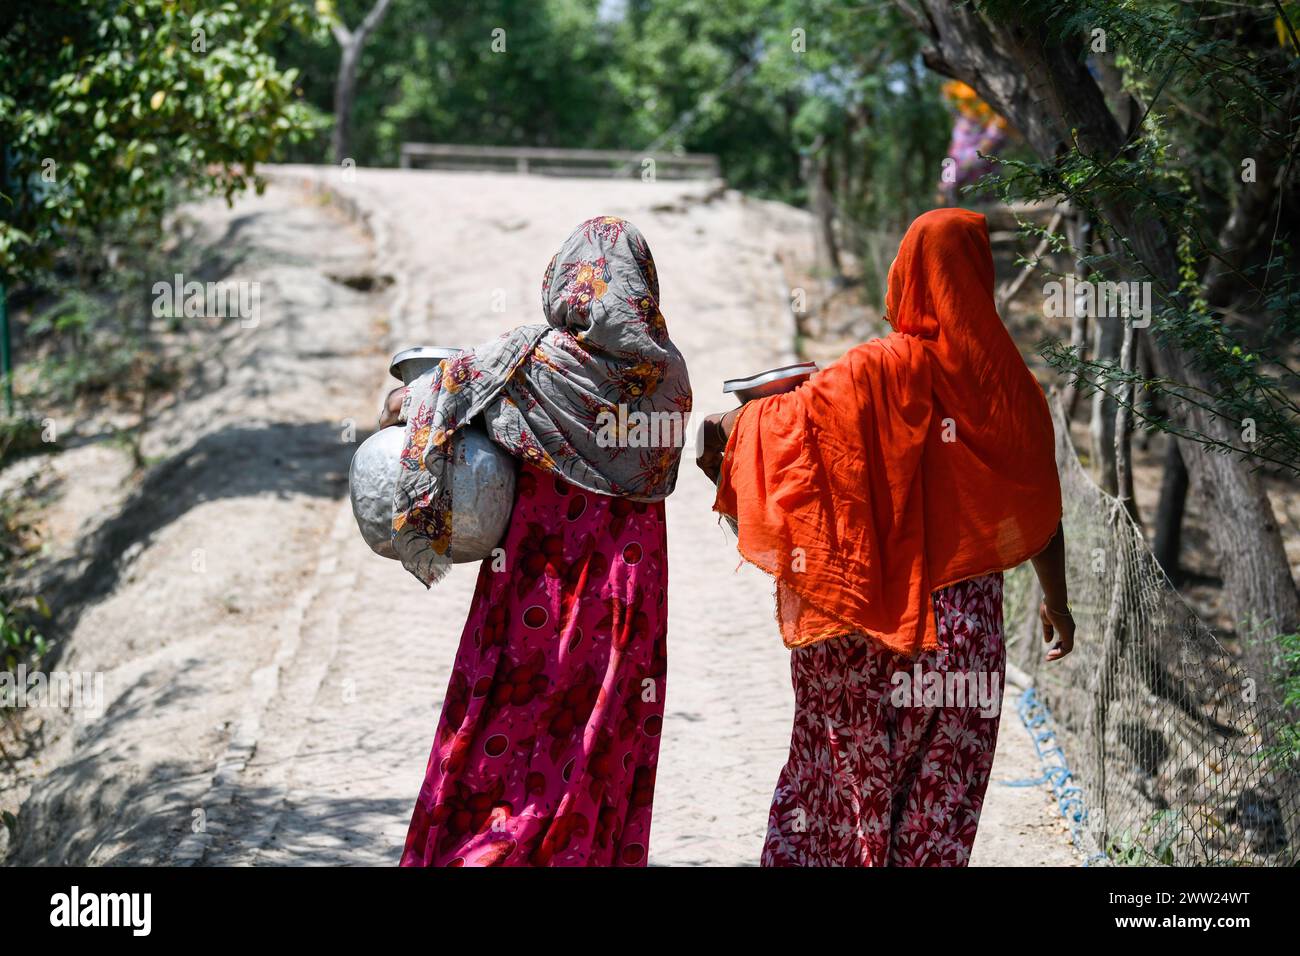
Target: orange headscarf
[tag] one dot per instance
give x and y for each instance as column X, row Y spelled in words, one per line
column 915, row 461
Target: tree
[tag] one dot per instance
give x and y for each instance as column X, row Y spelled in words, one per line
column 106, row 108
column 351, row 43
column 868, row 117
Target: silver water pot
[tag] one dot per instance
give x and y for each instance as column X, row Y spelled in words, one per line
column 482, row 477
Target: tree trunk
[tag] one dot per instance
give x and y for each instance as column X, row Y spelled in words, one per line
column 351, row 43
column 1250, row 220
column 1080, row 233
column 1126, row 110
column 1044, row 88
column 345, row 88
column 1107, row 338
column 1169, row 513
column 1124, row 427
column 817, row 175
column 1241, row 232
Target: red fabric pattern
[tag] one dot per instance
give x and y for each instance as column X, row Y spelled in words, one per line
column 547, row 744
column 869, row 783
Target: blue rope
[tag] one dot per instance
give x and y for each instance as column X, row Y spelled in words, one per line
column 1037, row 718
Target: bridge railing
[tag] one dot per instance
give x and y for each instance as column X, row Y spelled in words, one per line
column 599, row 163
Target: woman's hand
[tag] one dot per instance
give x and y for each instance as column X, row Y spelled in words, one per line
column 391, row 414
column 714, row 431
column 1057, row 624
column 1054, row 612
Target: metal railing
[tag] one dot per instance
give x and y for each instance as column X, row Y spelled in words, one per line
column 525, row 160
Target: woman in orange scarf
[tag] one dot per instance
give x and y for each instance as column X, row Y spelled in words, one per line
column 886, row 495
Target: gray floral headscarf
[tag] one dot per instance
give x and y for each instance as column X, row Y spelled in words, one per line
column 547, row 393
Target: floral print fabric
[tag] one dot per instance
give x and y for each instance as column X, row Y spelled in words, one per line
column 547, row 743
column 872, row 783
column 543, row 392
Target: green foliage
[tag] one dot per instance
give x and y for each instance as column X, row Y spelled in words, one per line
column 709, row 77
column 712, row 76
column 862, row 90
column 1284, row 752
column 89, row 332
column 20, row 635
column 20, row 640
column 1164, row 827
column 18, row 434
column 105, row 106
column 429, row 74
column 1219, row 93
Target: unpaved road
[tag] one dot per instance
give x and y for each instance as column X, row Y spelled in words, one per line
column 273, row 688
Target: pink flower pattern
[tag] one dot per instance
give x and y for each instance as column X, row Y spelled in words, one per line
column 869, row 783
column 546, row 748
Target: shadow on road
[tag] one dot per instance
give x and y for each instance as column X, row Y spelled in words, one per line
column 281, row 460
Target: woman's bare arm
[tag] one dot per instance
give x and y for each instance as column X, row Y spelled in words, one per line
column 1054, row 612
column 714, row 432
column 392, row 410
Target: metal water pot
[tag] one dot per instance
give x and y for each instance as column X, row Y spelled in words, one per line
column 482, row 477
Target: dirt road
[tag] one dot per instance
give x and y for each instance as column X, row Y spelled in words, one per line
column 277, row 707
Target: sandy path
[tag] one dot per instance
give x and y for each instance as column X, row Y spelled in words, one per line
column 329, row 700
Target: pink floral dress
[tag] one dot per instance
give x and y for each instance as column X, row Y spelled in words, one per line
column 882, row 772
column 547, row 744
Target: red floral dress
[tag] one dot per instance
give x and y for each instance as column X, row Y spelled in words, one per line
column 881, row 771
column 547, row 743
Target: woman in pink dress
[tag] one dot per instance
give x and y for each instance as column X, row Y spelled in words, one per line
column 546, row 747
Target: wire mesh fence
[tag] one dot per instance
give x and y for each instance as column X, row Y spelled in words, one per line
column 1175, row 748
